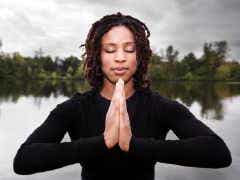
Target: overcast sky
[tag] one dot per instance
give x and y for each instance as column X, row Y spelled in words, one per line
column 60, row 26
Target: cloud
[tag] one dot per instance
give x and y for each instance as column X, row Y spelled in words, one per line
column 60, row 26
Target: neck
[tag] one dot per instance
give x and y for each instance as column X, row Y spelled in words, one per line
column 108, row 89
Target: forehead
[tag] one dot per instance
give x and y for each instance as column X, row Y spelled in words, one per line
column 118, row 35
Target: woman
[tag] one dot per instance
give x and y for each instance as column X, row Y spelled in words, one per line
column 118, row 128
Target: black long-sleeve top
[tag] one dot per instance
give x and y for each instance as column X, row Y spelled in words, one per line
column 151, row 117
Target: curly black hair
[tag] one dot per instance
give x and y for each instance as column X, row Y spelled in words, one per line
column 91, row 56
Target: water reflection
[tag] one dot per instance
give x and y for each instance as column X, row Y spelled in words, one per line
column 207, row 94
column 25, row 105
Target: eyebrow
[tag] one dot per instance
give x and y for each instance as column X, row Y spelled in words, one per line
column 113, row 44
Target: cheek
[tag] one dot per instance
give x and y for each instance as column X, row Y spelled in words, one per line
column 133, row 63
column 106, row 62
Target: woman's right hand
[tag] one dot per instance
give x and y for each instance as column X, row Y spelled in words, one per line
column 111, row 132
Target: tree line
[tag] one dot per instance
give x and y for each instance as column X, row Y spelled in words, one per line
column 212, row 65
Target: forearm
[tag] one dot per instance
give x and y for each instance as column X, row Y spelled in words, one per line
column 202, row 151
column 39, row 157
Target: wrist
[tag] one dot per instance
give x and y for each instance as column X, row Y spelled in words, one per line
column 108, row 142
column 125, row 145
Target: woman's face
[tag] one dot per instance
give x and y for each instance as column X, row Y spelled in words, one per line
column 118, row 54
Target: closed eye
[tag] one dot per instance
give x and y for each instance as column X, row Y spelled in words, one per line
column 109, row 51
column 130, row 49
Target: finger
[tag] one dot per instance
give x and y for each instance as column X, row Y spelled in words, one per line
column 113, row 105
column 116, row 98
column 116, row 88
column 121, row 81
column 123, row 92
column 120, row 88
column 124, row 103
column 121, row 108
column 121, row 85
column 121, row 116
column 122, row 97
column 115, row 93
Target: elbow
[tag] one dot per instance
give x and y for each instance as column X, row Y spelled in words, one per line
column 222, row 155
column 227, row 162
column 20, row 164
column 18, row 167
column 226, row 159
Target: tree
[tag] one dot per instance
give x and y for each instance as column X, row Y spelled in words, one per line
column 235, row 71
column 72, row 62
column 47, row 63
column 171, row 54
column 214, row 55
column 222, row 50
column 223, row 72
column 156, row 59
column 191, row 62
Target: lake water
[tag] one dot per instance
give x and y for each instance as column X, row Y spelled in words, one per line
column 25, row 105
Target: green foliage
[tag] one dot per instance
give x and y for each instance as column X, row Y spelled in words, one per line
column 79, row 72
column 155, row 72
column 212, row 65
column 214, row 55
column 235, row 71
column 39, row 67
column 189, row 76
column 223, row 72
column 156, row 59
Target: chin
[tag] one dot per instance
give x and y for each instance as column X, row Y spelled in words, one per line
column 114, row 78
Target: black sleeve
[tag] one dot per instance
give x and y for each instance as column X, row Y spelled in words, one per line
column 44, row 151
column 198, row 145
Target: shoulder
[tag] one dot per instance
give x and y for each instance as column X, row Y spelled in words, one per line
column 171, row 110
column 73, row 103
column 157, row 98
column 163, row 102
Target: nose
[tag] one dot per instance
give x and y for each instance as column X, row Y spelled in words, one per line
column 120, row 56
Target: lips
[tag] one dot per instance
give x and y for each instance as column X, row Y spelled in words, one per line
column 120, row 70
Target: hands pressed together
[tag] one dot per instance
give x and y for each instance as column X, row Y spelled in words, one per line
column 117, row 124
